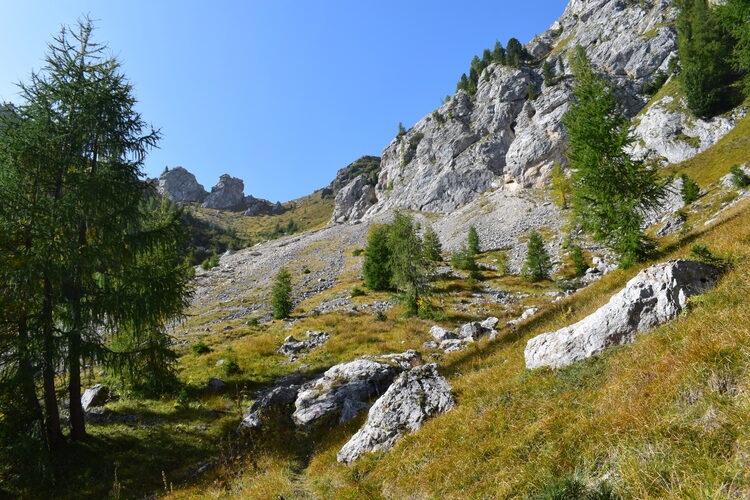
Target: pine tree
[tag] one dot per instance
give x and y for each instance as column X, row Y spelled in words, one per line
column 580, row 266
column 376, row 267
column 515, row 53
column 281, row 294
column 463, row 83
column 547, row 73
column 690, row 189
column 498, row 53
column 473, row 241
column 610, row 189
column 401, row 131
column 704, row 52
column 538, row 264
column 408, row 265
column 432, row 247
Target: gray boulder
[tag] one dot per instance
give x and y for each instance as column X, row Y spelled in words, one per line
column 415, row 396
column 227, row 194
column 95, row 396
column 215, row 385
column 275, row 404
column 179, row 185
column 344, row 389
column 656, row 295
column 439, row 333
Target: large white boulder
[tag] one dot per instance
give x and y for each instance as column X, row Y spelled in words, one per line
column 415, row 396
column 656, row 295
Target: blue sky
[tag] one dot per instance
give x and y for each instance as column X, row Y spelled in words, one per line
column 279, row 93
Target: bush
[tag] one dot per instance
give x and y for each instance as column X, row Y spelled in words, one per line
column 690, row 189
column 538, row 264
column 381, row 316
column 357, row 252
column 200, row 348
column 281, row 295
column 739, row 178
column 357, row 292
column 210, row 262
column 465, row 261
column 306, row 271
column 230, row 367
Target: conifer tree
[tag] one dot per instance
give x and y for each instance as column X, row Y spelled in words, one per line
column 498, row 53
column 547, row 73
column 401, row 131
column 463, row 83
column 735, row 17
column 690, row 189
column 376, row 267
column 561, row 186
column 432, row 247
column 408, row 265
column 473, row 241
column 538, row 264
column 281, row 294
column 579, row 261
column 515, row 53
column 610, row 189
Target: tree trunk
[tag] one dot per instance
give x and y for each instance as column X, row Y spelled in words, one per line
column 77, row 421
column 52, row 414
column 26, row 376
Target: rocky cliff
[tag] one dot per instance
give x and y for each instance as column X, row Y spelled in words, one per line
column 504, row 137
column 179, row 185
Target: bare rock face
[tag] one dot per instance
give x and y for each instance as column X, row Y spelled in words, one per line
column 656, row 295
column 415, row 396
column 344, row 389
column 667, row 130
column 503, row 137
column 228, row 194
column 179, row 185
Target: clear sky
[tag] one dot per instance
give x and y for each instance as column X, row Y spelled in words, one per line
column 279, row 93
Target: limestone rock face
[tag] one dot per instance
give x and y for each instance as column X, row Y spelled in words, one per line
column 344, row 389
column 179, row 185
column 95, row 396
column 656, row 295
column 500, row 137
column 667, row 130
column 415, row 396
column 227, row 194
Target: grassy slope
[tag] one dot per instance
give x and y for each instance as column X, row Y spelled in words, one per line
column 309, row 212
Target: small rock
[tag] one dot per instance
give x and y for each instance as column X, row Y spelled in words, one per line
column 215, row 385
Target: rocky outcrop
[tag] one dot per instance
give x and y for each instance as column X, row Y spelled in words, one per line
column 656, row 295
column 667, row 131
column 293, row 347
column 343, row 390
column 256, row 206
column 415, row 396
column 501, row 137
column 227, row 194
column 179, row 185
column 95, row 396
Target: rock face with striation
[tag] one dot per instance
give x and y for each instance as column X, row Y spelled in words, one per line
column 500, row 137
column 227, row 194
column 656, row 295
column 344, row 389
column 415, row 396
column 179, row 185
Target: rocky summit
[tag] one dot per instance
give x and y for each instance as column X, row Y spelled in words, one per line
column 179, row 185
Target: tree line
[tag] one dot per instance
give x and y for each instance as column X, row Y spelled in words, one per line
column 513, row 56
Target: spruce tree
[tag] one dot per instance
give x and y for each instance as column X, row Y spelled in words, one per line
column 538, row 264
column 580, row 266
column 610, row 189
column 515, row 53
column 281, row 294
column 498, row 53
column 376, row 267
column 473, row 241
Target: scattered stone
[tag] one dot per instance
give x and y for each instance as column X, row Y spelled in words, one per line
column 656, row 295
column 292, row 347
column 439, row 333
column 414, row 396
column 95, row 396
column 453, row 345
column 430, row 344
column 529, row 312
column 344, row 389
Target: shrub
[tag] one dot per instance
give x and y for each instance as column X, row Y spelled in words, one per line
column 253, row 322
column 200, row 348
column 230, row 367
column 357, row 292
column 281, row 295
column 210, row 262
column 306, row 271
column 381, row 316
column 652, row 87
column 502, row 263
column 438, row 117
column 538, row 264
column 357, row 252
column 739, row 178
column 690, row 189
